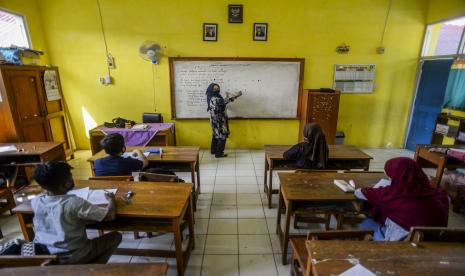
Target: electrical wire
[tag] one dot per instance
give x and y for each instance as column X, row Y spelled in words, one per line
column 153, row 87
column 386, row 21
column 103, row 33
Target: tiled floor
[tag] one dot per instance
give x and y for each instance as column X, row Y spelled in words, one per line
column 234, row 229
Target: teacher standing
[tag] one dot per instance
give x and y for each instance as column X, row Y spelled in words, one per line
column 219, row 118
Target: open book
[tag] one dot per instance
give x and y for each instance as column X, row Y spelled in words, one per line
column 96, row 197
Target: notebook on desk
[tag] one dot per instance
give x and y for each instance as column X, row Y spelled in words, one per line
column 344, row 186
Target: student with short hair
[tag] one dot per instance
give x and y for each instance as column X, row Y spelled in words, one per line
column 115, row 164
column 60, row 219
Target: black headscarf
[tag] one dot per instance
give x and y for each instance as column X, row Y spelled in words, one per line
column 210, row 93
column 314, row 147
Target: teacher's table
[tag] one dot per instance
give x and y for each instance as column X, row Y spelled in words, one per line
column 159, row 134
column 155, row 207
column 341, row 157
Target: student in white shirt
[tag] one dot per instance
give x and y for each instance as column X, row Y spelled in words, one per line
column 60, row 219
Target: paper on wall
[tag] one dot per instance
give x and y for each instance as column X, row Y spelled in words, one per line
column 51, row 85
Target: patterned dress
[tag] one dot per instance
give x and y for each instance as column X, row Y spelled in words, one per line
column 219, row 117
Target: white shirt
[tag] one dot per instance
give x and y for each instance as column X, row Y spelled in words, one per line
column 60, row 221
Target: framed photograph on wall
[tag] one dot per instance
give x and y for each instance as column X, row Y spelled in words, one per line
column 260, row 31
column 235, row 13
column 210, row 32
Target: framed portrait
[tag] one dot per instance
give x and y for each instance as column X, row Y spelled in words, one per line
column 210, row 32
column 260, row 31
column 235, row 13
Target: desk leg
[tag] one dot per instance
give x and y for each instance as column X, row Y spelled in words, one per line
column 439, row 171
column 195, row 187
column 270, row 185
column 366, row 165
column 278, row 217
column 285, row 241
column 266, row 176
column 178, row 246
column 24, row 220
column 197, row 168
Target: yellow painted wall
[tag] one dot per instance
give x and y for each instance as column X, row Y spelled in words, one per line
column 444, row 9
column 308, row 29
column 30, row 10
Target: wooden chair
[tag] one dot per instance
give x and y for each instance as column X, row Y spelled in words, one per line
column 114, row 178
column 436, row 234
column 19, row 261
column 155, row 177
column 312, row 215
column 300, row 264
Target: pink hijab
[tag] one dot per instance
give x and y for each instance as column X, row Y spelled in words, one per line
column 410, row 200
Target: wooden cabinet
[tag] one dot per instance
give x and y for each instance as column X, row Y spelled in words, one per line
column 26, row 113
column 321, row 108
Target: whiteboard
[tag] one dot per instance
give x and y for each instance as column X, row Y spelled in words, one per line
column 270, row 87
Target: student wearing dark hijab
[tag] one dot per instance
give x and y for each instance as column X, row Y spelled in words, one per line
column 409, row 200
column 312, row 152
column 219, row 117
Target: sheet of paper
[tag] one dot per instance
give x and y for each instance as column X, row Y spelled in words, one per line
column 357, row 270
column 97, row 197
column 11, row 148
column 382, row 183
column 129, row 154
column 82, row 193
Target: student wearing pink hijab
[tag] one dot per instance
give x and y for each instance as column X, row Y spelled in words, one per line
column 408, row 201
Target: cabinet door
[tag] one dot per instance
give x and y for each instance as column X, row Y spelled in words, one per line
column 28, row 105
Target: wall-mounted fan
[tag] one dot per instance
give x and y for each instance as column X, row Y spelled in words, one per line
column 151, row 51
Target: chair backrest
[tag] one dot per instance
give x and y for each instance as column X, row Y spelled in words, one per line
column 341, row 235
column 117, row 178
column 155, row 177
column 17, row 261
column 436, row 234
column 152, row 118
column 313, row 171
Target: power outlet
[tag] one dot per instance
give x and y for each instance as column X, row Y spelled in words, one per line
column 111, row 61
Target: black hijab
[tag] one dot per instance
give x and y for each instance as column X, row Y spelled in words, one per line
column 210, row 93
column 314, row 147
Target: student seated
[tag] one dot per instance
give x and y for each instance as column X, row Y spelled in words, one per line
column 409, row 200
column 313, row 152
column 114, row 164
column 60, row 219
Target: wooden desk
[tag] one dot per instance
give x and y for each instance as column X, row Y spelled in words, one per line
column 341, row 157
column 386, row 258
column 149, row 269
column 155, row 207
column 31, row 154
column 165, row 137
column 437, row 160
column 317, row 187
column 179, row 159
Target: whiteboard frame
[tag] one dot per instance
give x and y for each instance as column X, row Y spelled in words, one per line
column 172, row 82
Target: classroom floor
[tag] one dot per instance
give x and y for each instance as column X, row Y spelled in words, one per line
column 234, row 229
